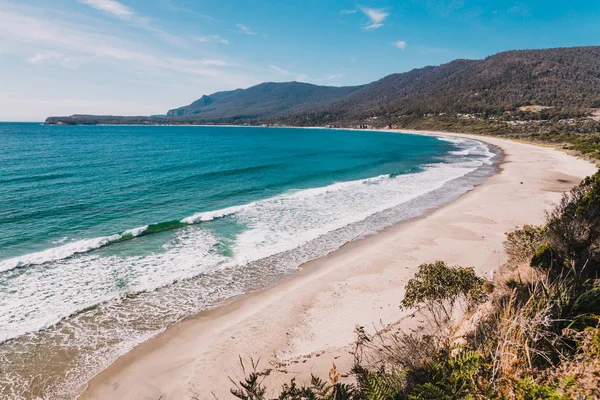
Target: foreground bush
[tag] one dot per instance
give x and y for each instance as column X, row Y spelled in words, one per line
column 437, row 288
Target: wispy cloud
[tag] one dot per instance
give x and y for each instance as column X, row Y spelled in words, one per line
column 54, row 58
column 297, row 76
column 176, row 7
column 127, row 14
column 192, row 63
column 376, row 18
column 111, row 7
column 71, row 45
column 400, row 44
column 301, row 77
column 212, row 38
column 245, row 30
column 333, row 77
column 348, row 11
column 326, row 78
column 280, row 70
column 39, row 58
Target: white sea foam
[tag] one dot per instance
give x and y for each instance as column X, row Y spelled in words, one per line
column 85, row 245
column 461, row 152
column 452, row 139
column 286, row 222
column 67, row 250
column 135, row 231
column 61, row 240
column 41, row 297
column 211, row 215
column 57, row 253
column 470, row 148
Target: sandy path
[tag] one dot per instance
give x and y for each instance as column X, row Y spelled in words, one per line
column 304, row 323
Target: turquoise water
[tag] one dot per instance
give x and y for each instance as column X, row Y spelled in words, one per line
column 66, row 183
column 110, row 234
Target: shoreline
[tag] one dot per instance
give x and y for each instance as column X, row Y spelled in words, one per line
column 304, row 322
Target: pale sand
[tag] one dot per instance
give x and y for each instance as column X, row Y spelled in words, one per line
column 306, row 322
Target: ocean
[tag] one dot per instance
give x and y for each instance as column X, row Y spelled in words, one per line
column 110, row 234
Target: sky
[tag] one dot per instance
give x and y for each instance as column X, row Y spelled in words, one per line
column 144, row 57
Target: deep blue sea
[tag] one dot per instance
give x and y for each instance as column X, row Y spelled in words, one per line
column 109, row 234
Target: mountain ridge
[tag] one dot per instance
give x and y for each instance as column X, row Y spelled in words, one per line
column 567, row 77
column 280, row 97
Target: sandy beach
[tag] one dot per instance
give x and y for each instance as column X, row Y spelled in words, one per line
column 306, row 322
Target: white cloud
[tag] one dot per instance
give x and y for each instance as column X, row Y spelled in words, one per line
column 111, row 7
column 184, row 61
column 212, row 38
column 348, row 12
column 400, row 44
column 53, row 57
column 280, row 70
column 174, row 6
column 376, row 18
column 122, row 12
column 40, row 58
column 245, row 30
column 333, row 77
column 297, row 76
column 326, row 78
column 70, row 45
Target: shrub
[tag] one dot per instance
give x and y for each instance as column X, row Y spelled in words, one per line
column 528, row 389
column 251, row 388
column 546, row 258
column 452, row 374
column 437, row 288
column 588, row 302
column 527, row 331
column 320, row 389
column 573, row 229
column 522, row 244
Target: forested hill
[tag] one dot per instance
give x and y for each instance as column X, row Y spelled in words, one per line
column 568, row 77
column 561, row 77
column 263, row 101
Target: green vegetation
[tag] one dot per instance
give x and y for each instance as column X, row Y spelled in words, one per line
column 580, row 134
column 535, row 333
column 437, row 288
column 263, row 100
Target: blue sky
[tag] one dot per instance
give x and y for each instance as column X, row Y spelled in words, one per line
column 141, row 57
